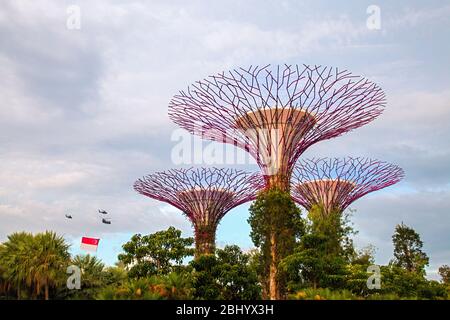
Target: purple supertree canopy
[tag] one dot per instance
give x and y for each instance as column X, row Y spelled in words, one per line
column 276, row 113
column 204, row 195
column 336, row 183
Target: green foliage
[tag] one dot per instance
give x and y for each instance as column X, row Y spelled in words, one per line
column 408, row 252
column 93, row 277
column 312, row 265
column 364, row 257
column 336, row 227
column 320, row 258
column 34, row 264
column 276, row 225
column 356, row 271
column 226, row 275
column 409, row 284
column 274, row 211
column 173, row 286
column 33, row 267
column 115, row 275
column 444, row 272
column 323, row 294
column 155, row 254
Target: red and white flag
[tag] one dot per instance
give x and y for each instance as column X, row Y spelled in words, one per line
column 89, row 244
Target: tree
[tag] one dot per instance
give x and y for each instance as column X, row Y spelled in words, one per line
column 16, row 257
column 276, row 226
column 33, row 263
column 321, row 256
column 115, row 274
column 157, row 253
column 93, row 276
column 4, row 285
column 51, row 256
column 444, row 272
column 364, row 257
column 312, row 265
column 408, row 252
column 407, row 284
column 336, row 227
column 225, row 275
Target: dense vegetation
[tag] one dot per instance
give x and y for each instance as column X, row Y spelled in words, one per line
column 317, row 261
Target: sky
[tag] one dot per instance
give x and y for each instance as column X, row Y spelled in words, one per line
column 85, row 86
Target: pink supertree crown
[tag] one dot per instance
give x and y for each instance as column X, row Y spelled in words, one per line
column 204, row 195
column 306, row 104
column 336, row 183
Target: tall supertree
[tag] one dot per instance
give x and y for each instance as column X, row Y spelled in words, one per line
column 276, row 113
column 333, row 184
column 204, row 195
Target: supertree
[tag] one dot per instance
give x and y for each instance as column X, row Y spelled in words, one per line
column 333, row 184
column 276, row 113
column 204, row 195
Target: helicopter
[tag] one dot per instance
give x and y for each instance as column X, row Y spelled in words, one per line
column 68, row 216
column 102, row 211
column 106, row 221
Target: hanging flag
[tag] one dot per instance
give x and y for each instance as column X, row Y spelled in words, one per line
column 89, row 244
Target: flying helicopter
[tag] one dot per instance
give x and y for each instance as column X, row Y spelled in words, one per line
column 106, row 221
column 102, row 211
column 68, row 216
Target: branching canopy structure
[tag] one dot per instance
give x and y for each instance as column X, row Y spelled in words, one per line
column 335, row 183
column 276, row 113
column 204, row 195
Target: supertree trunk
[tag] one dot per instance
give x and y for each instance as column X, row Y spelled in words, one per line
column 205, row 240
column 279, row 181
column 274, row 287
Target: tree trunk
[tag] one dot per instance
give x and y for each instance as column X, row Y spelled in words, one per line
column 46, row 290
column 205, row 240
column 279, row 181
column 273, row 273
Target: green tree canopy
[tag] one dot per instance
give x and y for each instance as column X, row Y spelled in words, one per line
column 157, row 253
column 321, row 256
column 225, row 275
column 34, row 263
column 444, row 272
column 408, row 252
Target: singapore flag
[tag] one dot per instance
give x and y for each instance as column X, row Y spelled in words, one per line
column 89, row 244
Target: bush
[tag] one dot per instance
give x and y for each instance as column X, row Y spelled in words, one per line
column 323, row 294
column 173, row 286
column 227, row 276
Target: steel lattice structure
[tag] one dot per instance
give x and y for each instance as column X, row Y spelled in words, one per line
column 204, row 195
column 336, row 183
column 276, row 113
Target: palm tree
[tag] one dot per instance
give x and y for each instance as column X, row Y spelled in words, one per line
column 51, row 257
column 3, row 281
column 16, row 256
column 92, row 273
column 33, row 262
